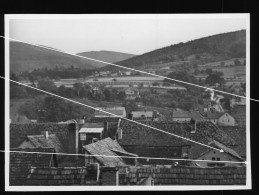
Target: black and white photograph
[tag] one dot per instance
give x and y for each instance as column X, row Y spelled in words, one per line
column 127, row 102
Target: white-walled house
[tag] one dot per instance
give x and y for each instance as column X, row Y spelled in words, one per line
column 200, row 152
column 222, row 119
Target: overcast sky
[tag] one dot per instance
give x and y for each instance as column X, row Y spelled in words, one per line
column 135, row 34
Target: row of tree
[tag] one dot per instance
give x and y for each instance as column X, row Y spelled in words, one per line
column 52, row 109
column 56, row 73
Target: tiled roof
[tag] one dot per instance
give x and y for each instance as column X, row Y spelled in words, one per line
column 18, row 132
column 213, row 115
column 39, row 141
column 139, row 135
column 104, row 119
column 226, row 149
column 20, row 163
column 196, row 116
column 63, row 176
column 139, row 114
column 112, row 125
column 239, row 135
column 92, row 128
column 199, row 150
column 164, row 175
column 116, row 110
column 239, row 113
column 181, row 114
column 106, row 147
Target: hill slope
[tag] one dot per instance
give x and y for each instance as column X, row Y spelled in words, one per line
column 27, row 57
column 209, row 49
column 106, row 56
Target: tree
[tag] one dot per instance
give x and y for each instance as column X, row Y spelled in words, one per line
column 208, row 71
column 226, row 103
column 121, row 95
column 32, row 108
column 47, row 84
column 215, row 77
column 137, row 99
column 243, row 86
column 32, row 78
column 130, row 106
column 196, row 71
column 237, row 62
column 17, row 91
column 166, row 84
column 181, row 76
column 107, row 94
column 78, row 87
column 155, row 84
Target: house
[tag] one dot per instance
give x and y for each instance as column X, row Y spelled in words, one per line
column 148, row 142
column 90, row 132
column 223, row 119
column 45, row 140
column 22, row 159
column 108, row 147
column 118, row 111
column 142, row 115
column 197, row 116
column 131, row 93
column 200, row 152
column 111, row 125
column 67, row 134
column 181, row 116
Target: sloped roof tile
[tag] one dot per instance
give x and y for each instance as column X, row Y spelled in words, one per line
column 199, row 150
column 105, row 147
column 39, row 141
column 164, row 175
column 21, row 162
column 63, row 176
column 139, row 135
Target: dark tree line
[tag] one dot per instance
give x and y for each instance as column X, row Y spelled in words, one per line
column 56, row 73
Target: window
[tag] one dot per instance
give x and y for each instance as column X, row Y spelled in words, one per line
column 211, row 164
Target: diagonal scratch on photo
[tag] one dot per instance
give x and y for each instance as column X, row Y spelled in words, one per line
column 127, row 102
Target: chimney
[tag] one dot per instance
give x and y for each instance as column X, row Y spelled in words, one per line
column 119, row 133
column 130, row 116
column 193, row 122
column 45, row 134
column 106, row 125
column 73, row 143
column 82, row 120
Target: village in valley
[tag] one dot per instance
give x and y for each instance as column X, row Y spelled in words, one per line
column 136, row 128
